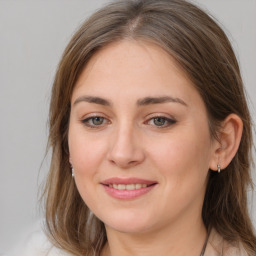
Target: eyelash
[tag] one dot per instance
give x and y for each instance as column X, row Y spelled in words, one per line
column 87, row 121
column 167, row 122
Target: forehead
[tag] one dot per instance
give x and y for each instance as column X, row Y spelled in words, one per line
column 132, row 54
column 133, row 67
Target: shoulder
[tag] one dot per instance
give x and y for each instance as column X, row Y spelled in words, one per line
column 218, row 246
column 37, row 244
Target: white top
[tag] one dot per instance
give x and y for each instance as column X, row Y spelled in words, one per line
column 37, row 244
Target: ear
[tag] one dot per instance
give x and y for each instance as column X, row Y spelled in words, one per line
column 70, row 160
column 229, row 138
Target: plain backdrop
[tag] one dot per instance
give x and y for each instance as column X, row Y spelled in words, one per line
column 33, row 35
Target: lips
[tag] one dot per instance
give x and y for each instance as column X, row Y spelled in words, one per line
column 127, row 181
column 129, row 188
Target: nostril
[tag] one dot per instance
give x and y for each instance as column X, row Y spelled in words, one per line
column 124, row 163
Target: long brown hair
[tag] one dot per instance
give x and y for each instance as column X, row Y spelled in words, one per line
column 203, row 51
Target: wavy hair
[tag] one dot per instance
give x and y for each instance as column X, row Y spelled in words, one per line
column 203, row 51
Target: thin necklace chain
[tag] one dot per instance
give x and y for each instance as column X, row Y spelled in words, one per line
column 204, row 247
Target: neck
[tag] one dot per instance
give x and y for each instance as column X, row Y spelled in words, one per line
column 178, row 240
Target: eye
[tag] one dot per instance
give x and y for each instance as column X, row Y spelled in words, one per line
column 95, row 121
column 161, row 122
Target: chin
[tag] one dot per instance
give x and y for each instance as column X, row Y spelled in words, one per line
column 128, row 228
column 128, row 223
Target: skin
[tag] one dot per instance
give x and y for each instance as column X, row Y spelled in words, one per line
column 126, row 142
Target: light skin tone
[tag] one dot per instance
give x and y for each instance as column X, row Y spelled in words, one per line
column 135, row 114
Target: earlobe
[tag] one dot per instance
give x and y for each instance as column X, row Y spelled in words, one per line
column 229, row 138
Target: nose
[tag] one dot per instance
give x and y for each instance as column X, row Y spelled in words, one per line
column 125, row 149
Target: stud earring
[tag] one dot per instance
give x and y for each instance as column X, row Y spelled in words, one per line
column 72, row 171
column 218, row 166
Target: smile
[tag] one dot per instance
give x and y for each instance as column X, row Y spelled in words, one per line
column 130, row 188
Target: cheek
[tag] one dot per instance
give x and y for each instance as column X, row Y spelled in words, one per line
column 183, row 158
column 184, row 167
column 180, row 152
column 85, row 151
column 86, row 154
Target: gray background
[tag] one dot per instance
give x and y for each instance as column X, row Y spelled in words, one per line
column 33, row 35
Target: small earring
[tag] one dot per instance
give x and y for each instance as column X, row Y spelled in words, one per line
column 218, row 166
column 72, row 171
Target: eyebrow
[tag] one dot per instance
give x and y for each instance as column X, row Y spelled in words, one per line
column 141, row 102
column 93, row 99
column 159, row 100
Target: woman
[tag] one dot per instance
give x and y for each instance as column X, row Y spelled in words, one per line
column 150, row 136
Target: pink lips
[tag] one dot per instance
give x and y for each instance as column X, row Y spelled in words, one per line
column 127, row 194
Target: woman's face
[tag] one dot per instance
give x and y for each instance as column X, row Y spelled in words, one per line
column 139, row 139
